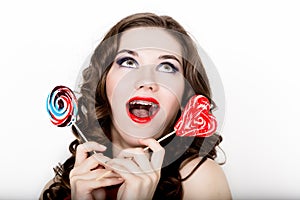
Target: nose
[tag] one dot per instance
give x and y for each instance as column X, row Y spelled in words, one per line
column 147, row 85
column 146, row 79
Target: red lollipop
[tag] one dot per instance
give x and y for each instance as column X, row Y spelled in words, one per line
column 196, row 119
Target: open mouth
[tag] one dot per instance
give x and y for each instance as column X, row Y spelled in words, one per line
column 142, row 109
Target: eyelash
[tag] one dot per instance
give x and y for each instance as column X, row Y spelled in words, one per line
column 175, row 69
column 121, row 61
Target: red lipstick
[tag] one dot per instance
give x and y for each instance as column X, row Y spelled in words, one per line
column 142, row 109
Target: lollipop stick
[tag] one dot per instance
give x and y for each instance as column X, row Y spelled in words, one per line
column 83, row 137
column 161, row 139
column 103, row 175
column 92, row 153
column 80, row 133
column 145, row 149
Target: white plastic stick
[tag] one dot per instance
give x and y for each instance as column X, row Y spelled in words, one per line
column 80, row 133
column 161, row 139
column 82, row 136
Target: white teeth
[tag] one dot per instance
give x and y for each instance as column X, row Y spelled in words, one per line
column 154, row 106
column 142, row 108
column 141, row 102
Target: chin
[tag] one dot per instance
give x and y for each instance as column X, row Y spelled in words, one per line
column 134, row 141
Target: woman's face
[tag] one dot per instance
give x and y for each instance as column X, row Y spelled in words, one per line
column 145, row 84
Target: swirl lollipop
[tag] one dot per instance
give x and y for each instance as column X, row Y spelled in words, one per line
column 62, row 108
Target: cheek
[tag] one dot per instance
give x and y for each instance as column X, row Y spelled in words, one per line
column 171, row 103
column 112, row 80
column 174, row 98
column 109, row 87
column 173, row 84
column 175, row 94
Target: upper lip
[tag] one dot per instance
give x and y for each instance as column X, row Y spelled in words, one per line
column 143, row 99
column 137, row 105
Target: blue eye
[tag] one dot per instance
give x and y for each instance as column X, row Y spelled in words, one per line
column 127, row 62
column 167, row 67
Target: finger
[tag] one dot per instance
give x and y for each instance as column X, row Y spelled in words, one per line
column 89, row 164
column 103, row 175
column 101, row 159
column 130, row 152
column 158, row 152
column 151, row 143
column 83, row 150
column 138, row 156
column 124, row 166
column 90, row 185
column 144, row 163
column 132, row 175
column 85, row 166
column 95, row 174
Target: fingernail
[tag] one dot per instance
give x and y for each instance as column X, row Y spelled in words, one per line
column 140, row 141
column 103, row 147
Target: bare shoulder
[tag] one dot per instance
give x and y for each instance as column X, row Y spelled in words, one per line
column 207, row 182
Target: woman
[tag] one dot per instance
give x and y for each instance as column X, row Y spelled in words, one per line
column 139, row 78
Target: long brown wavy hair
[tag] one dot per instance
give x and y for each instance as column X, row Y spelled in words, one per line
column 94, row 116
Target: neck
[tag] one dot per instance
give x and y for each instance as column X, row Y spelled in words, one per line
column 121, row 142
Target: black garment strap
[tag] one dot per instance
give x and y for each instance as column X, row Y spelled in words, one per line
column 195, row 168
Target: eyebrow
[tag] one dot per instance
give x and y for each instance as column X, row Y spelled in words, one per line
column 160, row 57
column 170, row 57
column 128, row 51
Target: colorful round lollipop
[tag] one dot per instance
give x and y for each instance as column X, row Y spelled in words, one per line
column 62, row 109
column 62, row 106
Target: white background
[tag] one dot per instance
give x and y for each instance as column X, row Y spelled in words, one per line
column 254, row 45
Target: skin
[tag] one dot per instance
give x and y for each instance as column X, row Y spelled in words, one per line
column 143, row 76
column 139, row 176
column 208, row 182
column 137, row 173
column 131, row 166
column 143, row 88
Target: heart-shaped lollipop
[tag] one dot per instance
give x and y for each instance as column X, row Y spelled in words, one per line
column 196, row 119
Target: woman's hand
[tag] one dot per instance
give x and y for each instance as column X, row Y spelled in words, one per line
column 141, row 174
column 85, row 177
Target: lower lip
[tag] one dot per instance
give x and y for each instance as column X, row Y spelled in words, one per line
column 139, row 120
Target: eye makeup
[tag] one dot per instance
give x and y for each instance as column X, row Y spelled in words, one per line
column 167, row 67
column 164, row 57
column 166, row 61
column 128, row 62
